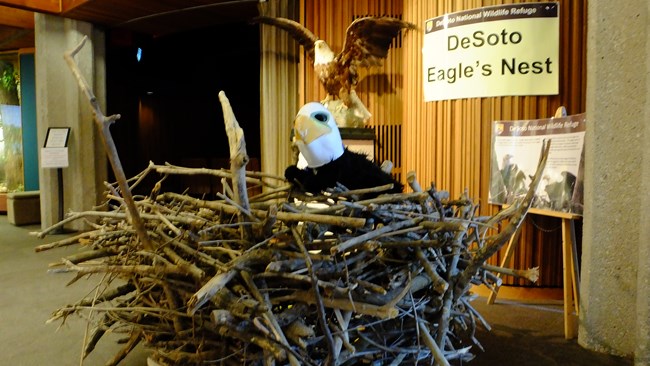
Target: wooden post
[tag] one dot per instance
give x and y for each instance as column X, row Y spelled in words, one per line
column 568, row 279
column 570, row 270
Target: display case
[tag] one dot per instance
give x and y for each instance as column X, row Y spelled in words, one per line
column 11, row 145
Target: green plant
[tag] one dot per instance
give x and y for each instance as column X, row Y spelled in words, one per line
column 9, row 79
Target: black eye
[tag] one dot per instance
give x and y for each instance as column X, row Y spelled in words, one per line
column 321, row 117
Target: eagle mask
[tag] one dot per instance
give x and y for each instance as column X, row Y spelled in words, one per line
column 317, row 135
column 328, row 162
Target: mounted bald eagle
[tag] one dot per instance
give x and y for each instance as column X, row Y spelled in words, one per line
column 366, row 44
column 328, row 161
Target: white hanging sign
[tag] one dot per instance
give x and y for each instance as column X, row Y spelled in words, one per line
column 492, row 51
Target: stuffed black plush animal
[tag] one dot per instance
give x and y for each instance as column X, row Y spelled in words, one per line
column 352, row 169
column 328, row 162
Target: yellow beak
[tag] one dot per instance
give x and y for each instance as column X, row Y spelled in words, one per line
column 307, row 129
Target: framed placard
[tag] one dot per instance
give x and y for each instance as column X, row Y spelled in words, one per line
column 515, row 152
column 57, row 137
column 54, row 153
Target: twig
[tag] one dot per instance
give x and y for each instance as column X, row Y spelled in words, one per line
column 322, row 316
column 177, row 170
column 104, row 123
column 411, row 179
column 495, row 243
column 358, row 240
column 531, row 274
column 439, row 284
column 353, row 222
column 238, row 158
column 137, row 269
column 136, row 337
column 75, row 239
column 268, row 314
column 449, row 295
column 343, row 338
column 433, row 347
column 72, row 216
column 208, row 290
column 361, row 191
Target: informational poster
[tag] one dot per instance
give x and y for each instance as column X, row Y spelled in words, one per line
column 516, row 147
column 492, row 51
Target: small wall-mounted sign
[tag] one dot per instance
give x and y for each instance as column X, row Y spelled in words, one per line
column 54, row 154
column 57, row 137
column 54, row 157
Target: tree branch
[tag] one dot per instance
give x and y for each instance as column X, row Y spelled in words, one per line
column 104, row 123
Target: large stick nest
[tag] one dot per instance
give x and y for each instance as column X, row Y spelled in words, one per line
column 274, row 280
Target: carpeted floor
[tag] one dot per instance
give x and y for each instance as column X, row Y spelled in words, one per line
column 522, row 334
column 531, row 334
column 28, row 296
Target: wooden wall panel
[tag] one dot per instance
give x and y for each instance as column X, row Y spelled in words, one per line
column 448, row 142
column 380, row 88
column 278, row 85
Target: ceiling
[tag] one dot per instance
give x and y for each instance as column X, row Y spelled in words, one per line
column 16, row 28
column 12, row 38
column 153, row 17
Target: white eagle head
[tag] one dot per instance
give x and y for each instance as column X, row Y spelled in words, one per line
column 316, row 135
column 323, row 54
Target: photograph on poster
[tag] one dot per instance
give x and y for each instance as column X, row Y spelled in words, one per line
column 516, row 146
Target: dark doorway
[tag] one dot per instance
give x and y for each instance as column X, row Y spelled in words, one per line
column 168, row 98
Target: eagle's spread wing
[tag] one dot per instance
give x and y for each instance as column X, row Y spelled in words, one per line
column 301, row 34
column 368, row 40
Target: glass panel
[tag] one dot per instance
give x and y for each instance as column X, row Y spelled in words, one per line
column 11, row 145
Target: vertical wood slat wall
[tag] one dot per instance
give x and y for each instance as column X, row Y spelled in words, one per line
column 380, row 88
column 448, row 142
column 279, row 78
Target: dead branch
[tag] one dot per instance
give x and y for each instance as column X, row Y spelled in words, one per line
column 104, row 123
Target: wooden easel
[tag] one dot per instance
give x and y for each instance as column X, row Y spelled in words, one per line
column 570, row 270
